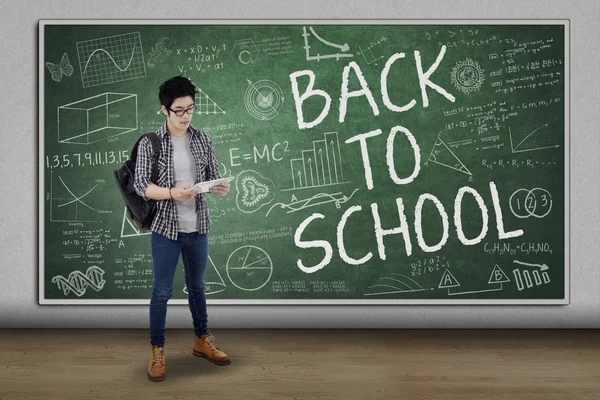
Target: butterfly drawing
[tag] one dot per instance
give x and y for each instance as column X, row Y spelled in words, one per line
column 58, row 70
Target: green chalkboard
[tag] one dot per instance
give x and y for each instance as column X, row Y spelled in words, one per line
column 374, row 163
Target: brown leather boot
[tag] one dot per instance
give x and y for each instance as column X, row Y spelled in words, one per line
column 156, row 367
column 203, row 347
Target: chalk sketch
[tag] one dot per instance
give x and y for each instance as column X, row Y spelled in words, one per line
column 97, row 118
column 248, row 53
column 158, row 52
column 253, row 191
column 211, row 286
column 249, row 268
column 66, row 206
column 316, row 200
column 531, row 138
column 57, row 71
column 205, row 104
column 467, row 76
column 398, row 283
column 111, row 59
column 263, row 99
column 523, row 278
column 77, row 282
column 442, row 155
column 319, row 166
column 337, row 50
column 497, row 277
column 128, row 227
column 368, row 55
column 536, row 202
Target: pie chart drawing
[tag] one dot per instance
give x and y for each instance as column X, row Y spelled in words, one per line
column 249, row 268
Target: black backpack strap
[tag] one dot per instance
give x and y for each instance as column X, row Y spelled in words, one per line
column 155, row 154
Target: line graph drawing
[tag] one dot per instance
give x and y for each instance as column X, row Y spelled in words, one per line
column 392, row 285
column 339, row 50
column 249, row 268
column 316, row 200
column 111, row 59
column 530, row 138
column 211, row 286
column 263, row 99
column 66, row 206
column 319, row 166
column 78, row 282
column 442, row 155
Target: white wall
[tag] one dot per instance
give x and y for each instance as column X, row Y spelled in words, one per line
column 19, row 149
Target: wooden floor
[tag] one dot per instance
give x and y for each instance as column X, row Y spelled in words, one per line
column 305, row 364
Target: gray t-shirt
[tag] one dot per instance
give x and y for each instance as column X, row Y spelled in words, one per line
column 185, row 174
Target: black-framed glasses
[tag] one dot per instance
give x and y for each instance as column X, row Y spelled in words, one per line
column 189, row 110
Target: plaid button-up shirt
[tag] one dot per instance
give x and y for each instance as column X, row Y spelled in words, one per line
column 207, row 168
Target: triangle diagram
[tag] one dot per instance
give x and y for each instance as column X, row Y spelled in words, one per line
column 205, row 104
column 128, row 228
column 448, row 280
column 213, row 281
column 441, row 154
column 498, row 276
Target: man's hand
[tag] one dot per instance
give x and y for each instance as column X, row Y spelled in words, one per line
column 221, row 189
column 182, row 193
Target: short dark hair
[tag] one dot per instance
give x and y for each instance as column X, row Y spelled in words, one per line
column 174, row 88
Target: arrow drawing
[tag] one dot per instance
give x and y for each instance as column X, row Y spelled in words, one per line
column 342, row 47
column 338, row 47
column 543, row 267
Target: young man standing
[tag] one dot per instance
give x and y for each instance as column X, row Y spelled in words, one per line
column 182, row 221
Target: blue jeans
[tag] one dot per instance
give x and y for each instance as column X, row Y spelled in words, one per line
column 193, row 247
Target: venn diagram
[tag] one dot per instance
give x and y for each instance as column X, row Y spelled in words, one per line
column 525, row 203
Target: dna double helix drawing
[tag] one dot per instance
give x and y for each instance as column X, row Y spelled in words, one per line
column 78, row 282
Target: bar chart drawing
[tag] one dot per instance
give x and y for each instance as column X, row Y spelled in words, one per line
column 319, row 166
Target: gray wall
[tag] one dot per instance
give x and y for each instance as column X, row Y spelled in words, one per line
column 18, row 166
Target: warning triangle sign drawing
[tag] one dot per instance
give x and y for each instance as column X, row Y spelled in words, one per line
column 205, row 104
column 128, row 228
column 498, row 276
column 442, row 155
column 448, row 280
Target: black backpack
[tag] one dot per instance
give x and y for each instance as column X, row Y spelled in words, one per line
column 140, row 211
